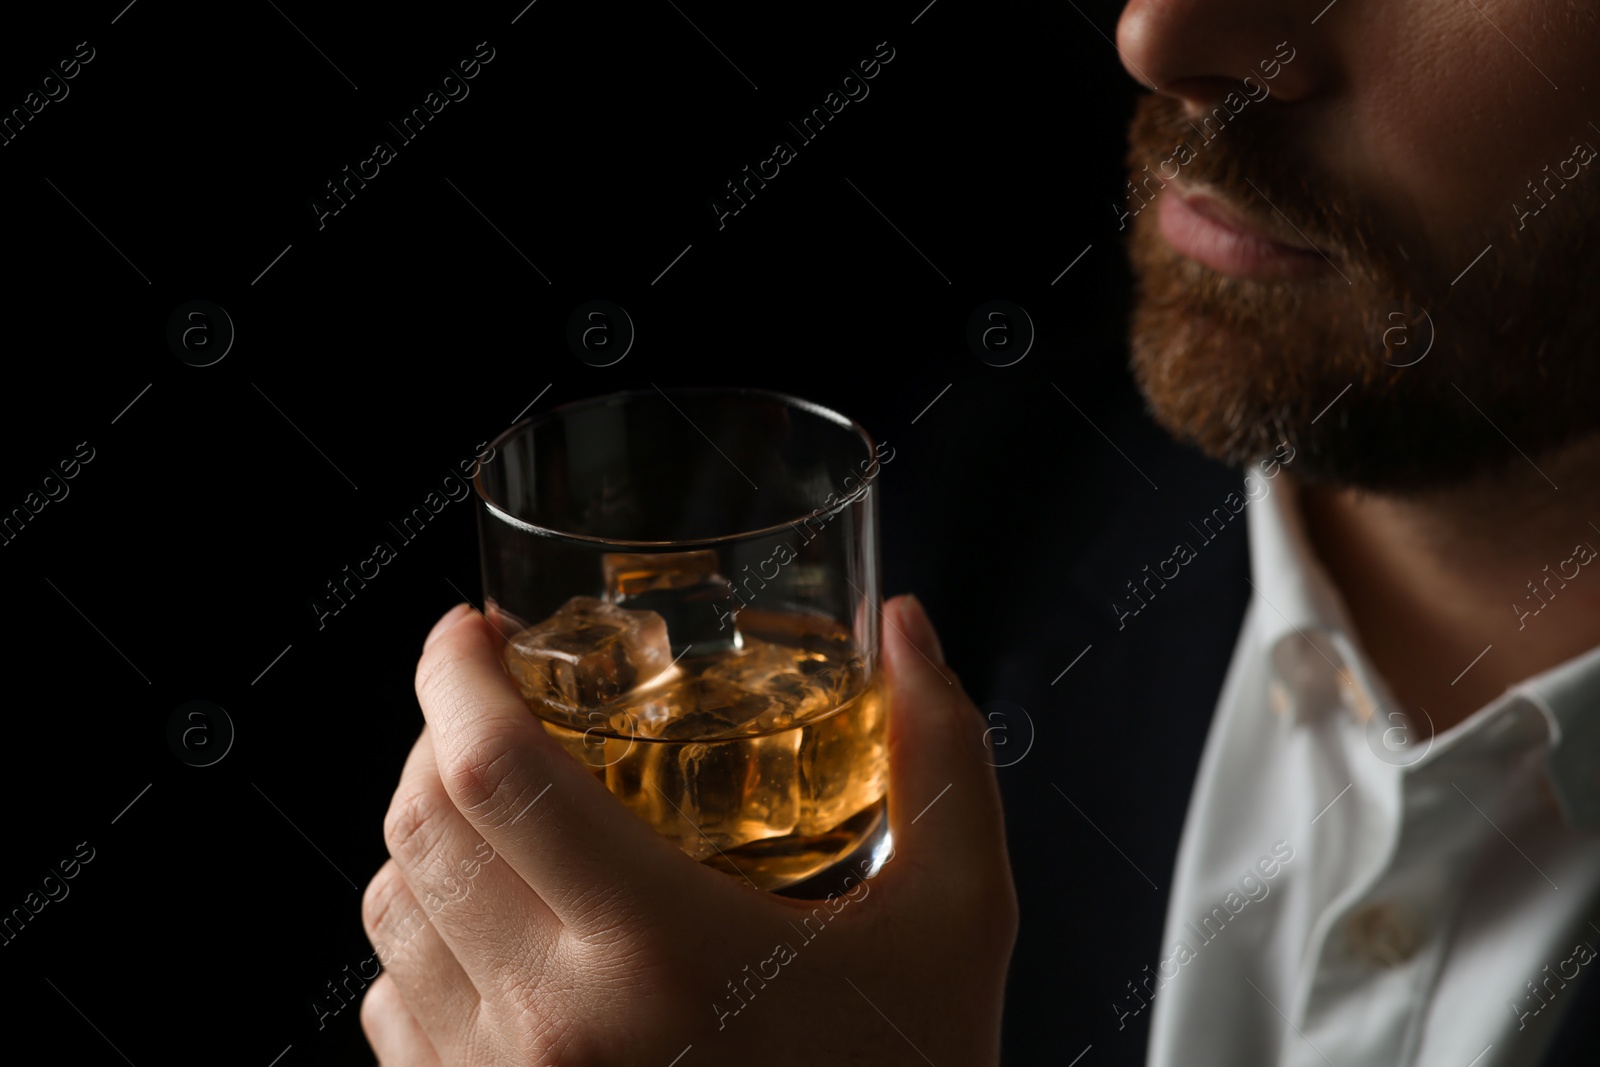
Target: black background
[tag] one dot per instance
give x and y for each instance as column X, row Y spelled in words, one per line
column 379, row 350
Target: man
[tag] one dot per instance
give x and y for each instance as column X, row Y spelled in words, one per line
column 1364, row 237
column 1349, row 272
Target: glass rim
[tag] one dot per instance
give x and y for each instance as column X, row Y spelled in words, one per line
column 622, row 396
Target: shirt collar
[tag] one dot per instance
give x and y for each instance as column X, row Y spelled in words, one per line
column 1293, row 586
column 1303, row 625
column 1569, row 696
column 1301, row 620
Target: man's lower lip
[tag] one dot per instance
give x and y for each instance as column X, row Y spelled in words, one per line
column 1223, row 248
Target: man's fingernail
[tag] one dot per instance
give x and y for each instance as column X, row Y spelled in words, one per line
column 914, row 620
column 451, row 617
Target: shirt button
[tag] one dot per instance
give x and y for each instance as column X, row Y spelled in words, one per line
column 1355, row 699
column 1304, row 681
column 1383, row 935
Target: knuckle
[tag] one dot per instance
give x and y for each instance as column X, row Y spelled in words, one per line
column 482, row 774
column 378, row 903
column 413, row 824
column 380, row 1007
column 544, row 1034
column 606, row 920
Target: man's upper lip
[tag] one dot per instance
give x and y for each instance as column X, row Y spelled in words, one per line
column 1267, row 228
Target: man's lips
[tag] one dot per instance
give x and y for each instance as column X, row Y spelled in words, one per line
column 1224, row 238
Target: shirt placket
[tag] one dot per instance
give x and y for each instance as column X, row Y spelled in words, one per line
column 1376, row 950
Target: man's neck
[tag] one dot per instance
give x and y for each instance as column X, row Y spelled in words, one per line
column 1433, row 581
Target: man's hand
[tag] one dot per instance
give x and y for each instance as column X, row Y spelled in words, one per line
column 528, row 918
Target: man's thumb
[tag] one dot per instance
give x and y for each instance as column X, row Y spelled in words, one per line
column 943, row 798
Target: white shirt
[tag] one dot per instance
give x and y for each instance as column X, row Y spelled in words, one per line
column 1346, row 899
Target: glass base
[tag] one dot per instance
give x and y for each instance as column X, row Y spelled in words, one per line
column 812, row 867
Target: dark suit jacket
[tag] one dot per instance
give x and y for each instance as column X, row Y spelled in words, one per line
column 1096, row 807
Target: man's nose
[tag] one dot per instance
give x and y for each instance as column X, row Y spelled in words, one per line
column 1198, row 51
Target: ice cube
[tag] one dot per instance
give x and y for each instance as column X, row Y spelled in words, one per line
column 698, row 709
column 716, row 795
column 801, row 684
column 843, row 764
column 587, row 654
column 766, row 687
column 685, row 589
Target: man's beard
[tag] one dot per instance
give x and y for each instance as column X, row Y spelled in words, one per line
column 1335, row 364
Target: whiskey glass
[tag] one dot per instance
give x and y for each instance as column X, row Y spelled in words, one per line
column 688, row 584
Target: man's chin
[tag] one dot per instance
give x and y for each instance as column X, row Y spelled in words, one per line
column 1238, row 369
column 1235, row 367
column 1240, row 387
